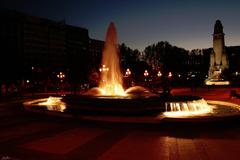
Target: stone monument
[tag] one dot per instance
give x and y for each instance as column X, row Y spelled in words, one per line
column 218, row 58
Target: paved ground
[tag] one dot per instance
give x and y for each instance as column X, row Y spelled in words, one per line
column 25, row 136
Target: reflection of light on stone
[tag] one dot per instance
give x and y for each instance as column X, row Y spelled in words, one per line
column 183, row 109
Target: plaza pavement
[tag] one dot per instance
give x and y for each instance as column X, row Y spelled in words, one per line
column 25, row 136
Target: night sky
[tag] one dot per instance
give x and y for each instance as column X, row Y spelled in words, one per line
column 185, row 23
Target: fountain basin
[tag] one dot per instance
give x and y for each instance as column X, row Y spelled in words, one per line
column 127, row 105
column 131, row 109
column 221, row 111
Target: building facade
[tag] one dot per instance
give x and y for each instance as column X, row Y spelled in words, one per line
column 30, row 43
column 95, row 51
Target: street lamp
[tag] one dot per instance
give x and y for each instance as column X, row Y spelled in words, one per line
column 146, row 74
column 61, row 76
column 128, row 80
column 170, row 75
column 159, row 74
column 104, row 69
column 128, row 72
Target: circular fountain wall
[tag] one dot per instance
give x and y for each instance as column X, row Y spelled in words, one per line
column 135, row 110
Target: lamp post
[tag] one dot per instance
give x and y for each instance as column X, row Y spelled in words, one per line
column 128, row 80
column 61, row 77
column 167, row 83
column 146, row 74
column 159, row 74
column 128, row 72
column 104, row 69
column 170, row 75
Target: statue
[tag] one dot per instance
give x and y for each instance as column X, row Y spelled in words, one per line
column 218, row 57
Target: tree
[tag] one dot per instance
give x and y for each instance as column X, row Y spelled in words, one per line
column 165, row 56
column 128, row 56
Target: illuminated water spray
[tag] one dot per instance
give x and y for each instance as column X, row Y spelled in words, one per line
column 191, row 108
column 111, row 78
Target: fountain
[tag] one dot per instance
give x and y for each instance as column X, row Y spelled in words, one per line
column 111, row 76
column 109, row 101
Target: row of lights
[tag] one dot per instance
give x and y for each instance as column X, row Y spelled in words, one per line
column 128, row 72
column 61, row 76
column 159, row 74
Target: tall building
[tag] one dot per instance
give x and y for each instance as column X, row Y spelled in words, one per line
column 78, row 58
column 95, row 51
column 43, row 42
column 11, row 45
column 29, row 42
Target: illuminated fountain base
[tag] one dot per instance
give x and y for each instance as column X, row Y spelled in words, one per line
column 135, row 109
column 216, row 82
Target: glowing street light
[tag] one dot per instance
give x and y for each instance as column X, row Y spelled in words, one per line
column 128, row 72
column 146, row 74
column 104, row 69
column 61, row 76
column 159, row 74
column 170, row 75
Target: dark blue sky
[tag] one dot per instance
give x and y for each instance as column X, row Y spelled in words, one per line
column 185, row 23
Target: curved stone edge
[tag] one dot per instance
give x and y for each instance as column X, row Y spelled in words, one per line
column 144, row 119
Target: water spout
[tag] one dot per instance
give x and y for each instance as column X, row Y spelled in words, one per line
column 182, row 109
